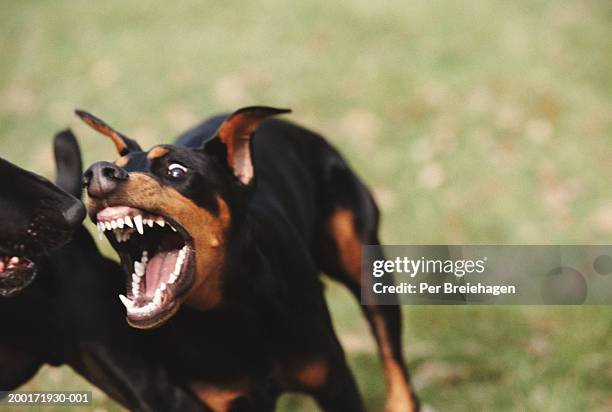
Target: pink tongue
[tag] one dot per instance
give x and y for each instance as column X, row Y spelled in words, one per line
column 158, row 270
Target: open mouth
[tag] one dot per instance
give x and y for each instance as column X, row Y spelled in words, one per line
column 16, row 273
column 158, row 257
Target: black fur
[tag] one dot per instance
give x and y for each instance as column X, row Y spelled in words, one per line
column 273, row 316
column 69, row 315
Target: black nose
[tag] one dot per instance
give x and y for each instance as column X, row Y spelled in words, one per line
column 102, row 178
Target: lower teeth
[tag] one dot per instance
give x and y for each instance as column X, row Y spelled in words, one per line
column 139, row 272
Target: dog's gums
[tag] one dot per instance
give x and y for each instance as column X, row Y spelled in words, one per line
column 16, row 273
column 158, row 257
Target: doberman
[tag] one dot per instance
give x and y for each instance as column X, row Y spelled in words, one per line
column 57, row 291
column 236, row 220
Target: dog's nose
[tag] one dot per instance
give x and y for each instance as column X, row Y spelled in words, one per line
column 102, row 178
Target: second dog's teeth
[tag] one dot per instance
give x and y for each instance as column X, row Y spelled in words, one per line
column 128, row 221
column 113, row 224
column 160, row 222
column 138, row 223
column 135, row 278
column 108, row 226
column 100, row 230
column 150, row 222
column 118, row 236
column 120, row 223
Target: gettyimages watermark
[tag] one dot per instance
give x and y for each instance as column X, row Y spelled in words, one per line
column 485, row 274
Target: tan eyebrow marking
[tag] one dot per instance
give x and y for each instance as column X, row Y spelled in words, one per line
column 157, row 152
column 122, row 161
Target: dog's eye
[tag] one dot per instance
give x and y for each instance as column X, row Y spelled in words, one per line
column 177, row 171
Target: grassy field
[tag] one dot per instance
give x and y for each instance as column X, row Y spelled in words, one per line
column 473, row 122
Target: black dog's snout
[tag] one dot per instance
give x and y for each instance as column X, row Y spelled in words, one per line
column 102, row 178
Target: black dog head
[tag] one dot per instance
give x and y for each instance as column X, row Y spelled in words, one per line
column 170, row 210
column 36, row 214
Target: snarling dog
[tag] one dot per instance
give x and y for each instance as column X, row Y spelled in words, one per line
column 37, row 216
column 236, row 220
column 64, row 314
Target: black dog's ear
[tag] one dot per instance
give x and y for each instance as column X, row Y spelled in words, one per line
column 232, row 141
column 123, row 143
column 68, row 163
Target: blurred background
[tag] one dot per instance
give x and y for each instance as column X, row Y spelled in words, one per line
column 472, row 121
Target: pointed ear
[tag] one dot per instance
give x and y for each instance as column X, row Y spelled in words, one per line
column 233, row 139
column 68, row 164
column 123, row 143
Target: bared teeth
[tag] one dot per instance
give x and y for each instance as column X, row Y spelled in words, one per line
column 124, row 222
column 156, row 302
column 139, row 268
column 157, row 297
column 126, row 302
column 135, row 289
column 138, row 223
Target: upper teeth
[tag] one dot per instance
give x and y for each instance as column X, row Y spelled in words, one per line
column 123, row 227
column 138, row 223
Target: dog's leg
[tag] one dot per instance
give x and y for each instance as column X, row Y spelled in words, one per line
column 349, row 221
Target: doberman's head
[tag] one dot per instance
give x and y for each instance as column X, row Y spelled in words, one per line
column 169, row 210
column 35, row 215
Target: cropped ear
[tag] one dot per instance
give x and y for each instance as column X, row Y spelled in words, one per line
column 123, row 143
column 68, row 164
column 233, row 139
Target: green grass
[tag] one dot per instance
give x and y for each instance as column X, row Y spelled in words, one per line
column 474, row 121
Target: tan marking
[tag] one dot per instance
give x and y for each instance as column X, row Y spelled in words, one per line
column 142, row 191
column 312, row 375
column 122, row 161
column 219, row 398
column 299, row 374
column 236, row 132
column 399, row 390
column 100, row 126
column 342, row 227
column 157, row 152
